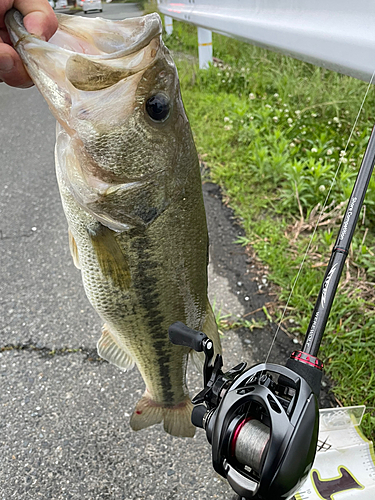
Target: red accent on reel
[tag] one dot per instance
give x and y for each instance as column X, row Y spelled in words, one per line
column 308, row 359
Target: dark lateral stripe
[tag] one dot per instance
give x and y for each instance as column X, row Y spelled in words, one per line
column 145, row 284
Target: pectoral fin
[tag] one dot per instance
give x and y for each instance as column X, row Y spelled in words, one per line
column 111, row 258
column 73, row 250
column 110, row 350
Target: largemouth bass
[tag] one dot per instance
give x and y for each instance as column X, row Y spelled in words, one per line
column 130, row 185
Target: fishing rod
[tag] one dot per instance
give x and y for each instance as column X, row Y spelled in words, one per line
column 263, row 422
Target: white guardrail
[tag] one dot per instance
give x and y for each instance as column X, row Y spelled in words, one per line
column 336, row 34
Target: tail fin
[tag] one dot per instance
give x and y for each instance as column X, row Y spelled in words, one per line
column 177, row 419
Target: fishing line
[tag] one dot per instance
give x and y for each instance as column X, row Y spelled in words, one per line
column 320, row 216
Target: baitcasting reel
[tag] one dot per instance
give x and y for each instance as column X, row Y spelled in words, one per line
column 262, row 422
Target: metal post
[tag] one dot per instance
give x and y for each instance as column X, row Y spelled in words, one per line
column 204, row 47
column 168, row 25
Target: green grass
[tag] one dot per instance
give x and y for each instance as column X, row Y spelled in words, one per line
column 272, row 131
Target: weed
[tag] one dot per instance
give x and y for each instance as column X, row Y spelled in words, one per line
column 228, row 322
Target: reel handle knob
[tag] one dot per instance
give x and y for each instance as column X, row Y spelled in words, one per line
column 181, row 334
column 197, row 415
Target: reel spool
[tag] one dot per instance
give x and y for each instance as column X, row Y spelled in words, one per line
column 249, row 443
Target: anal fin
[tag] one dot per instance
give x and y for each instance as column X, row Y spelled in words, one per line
column 109, row 350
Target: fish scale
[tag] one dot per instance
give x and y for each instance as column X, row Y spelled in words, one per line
column 129, row 180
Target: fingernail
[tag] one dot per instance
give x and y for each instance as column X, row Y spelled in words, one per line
column 26, row 85
column 40, row 36
column 6, row 63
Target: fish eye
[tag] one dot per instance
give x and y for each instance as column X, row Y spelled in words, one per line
column 158, row 107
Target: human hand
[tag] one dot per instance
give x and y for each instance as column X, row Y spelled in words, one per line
column 40, row 20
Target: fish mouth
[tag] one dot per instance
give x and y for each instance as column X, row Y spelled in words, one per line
column 96, row 36
column 88, row 72
column 87, row 54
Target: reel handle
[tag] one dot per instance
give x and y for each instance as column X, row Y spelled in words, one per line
column 180, row 334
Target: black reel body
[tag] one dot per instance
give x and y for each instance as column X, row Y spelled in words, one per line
column 264, row 432
column 262, row 422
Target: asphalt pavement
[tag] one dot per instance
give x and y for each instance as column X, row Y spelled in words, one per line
column 64, row 412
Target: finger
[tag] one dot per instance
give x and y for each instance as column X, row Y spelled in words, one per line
column 4, row 36
column 12, row 71
column 39, row 18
